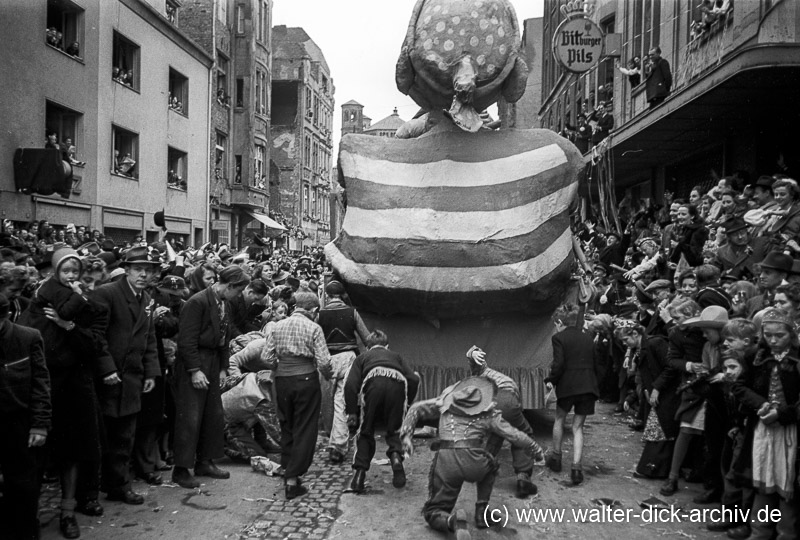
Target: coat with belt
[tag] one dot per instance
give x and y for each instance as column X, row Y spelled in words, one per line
column 130, row 340
column 573, row 371
column 658, row 80
column 201, row 334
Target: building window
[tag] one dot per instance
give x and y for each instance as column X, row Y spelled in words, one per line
column 305, row 199
column 68, row 127
column 219, row 154
column 240, row 19
column 308, row 100
column 237, row 177
column 262, row 24
column 176, row 169
column 223, row 98
column 314, row 203
column 307, row 151
column 259, row 179
column 222, row 11
column 178, row 92
column 261, row 92
column 240, row 92
column 172, row 11
column 605, row 69
column 64, row 26
column 646, row 27
column 125, row 61
column 125, row 153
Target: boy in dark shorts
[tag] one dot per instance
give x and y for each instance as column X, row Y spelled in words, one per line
column 574, row 376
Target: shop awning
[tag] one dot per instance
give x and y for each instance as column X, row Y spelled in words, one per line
column 268, row 222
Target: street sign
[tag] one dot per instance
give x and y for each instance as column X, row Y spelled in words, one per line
column 219, row 225
column 578, row 44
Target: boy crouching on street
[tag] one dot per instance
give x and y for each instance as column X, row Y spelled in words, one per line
column 467, row 417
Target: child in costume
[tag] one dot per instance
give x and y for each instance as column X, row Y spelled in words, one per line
column 467, row 419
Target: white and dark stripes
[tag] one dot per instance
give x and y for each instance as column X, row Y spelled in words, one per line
column 455, row 224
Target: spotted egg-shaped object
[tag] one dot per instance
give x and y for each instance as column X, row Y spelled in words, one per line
column 445, row 31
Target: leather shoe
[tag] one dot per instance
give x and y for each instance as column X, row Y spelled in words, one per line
column 525, row 488
column 90, row 508
column 399, row 473
column 182, row 477
column 553, row 462
column 457, row 522
column 576, row 476
column 208, row 468
column 295, row 490
column 357, row 483
column 708, row 497
column 740, row 532
column 335, row 457
column 128, row 497
column 669, row 487
column 152, row 478
column 69, row 527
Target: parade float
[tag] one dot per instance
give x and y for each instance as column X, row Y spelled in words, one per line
column 456, row 235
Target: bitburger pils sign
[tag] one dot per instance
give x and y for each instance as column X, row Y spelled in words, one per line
column 577, row 42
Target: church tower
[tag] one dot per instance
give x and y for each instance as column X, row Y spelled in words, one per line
column 352, row 117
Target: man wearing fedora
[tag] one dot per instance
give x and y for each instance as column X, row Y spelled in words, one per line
column 467, row 417
column 131, row 347
column 740, row 254
column 775, row 269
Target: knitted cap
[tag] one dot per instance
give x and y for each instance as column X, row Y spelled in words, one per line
column 62, row 255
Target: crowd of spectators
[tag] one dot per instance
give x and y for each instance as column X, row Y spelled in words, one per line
column 122, row 76
column 56, row 39
column 175, row 104
column 592, row 127
column 62, row 282
column 695, row 310
column 712, row 12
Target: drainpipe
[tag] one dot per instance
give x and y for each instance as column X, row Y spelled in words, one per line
column 208, row 119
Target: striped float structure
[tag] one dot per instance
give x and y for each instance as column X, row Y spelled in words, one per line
column 454, row 224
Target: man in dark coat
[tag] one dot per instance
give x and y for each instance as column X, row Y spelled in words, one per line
column 741, row 254
column 575, row 380
column 24, row 421
column 658, row 78
column 131, row 354
column 203, row 335
column 605, row 123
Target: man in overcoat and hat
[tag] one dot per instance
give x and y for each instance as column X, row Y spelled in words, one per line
column 204, row 330
column 775, row 269
column 129, row 367
column 467, row 417
column 739, row 256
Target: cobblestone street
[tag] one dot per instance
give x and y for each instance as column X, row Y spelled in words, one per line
column 252, row 506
